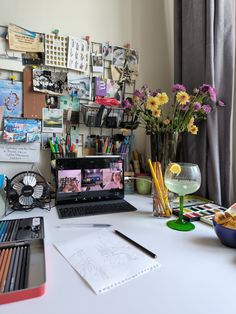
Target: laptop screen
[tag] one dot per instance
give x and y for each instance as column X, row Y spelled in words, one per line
column 89, row 179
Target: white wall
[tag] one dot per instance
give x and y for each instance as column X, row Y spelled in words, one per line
column 145, row 24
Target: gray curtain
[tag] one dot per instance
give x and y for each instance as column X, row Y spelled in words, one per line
column 204, row 53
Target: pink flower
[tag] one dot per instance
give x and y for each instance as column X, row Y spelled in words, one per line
column 221, row 103
column 206, row 108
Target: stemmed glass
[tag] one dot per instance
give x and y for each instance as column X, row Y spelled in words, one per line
column 182, row 178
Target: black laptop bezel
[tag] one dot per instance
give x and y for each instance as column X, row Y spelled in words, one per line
column 88, row 162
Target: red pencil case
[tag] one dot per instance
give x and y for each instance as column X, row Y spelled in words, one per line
column 22, row 265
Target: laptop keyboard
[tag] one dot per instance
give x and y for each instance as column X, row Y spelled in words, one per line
column 108, row 207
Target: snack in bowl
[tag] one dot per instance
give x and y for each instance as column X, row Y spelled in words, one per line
column 225, row 228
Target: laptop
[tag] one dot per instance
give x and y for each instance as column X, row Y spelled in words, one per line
column 90, row 185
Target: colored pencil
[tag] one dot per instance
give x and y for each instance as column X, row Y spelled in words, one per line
column 18, row 271
column 10, row 231
column 7, row 231
column 25, row 269
column 14, row 230
column 22, row 271
column 8, row 280
column 2, row 265
column 2, row 229
column 7, row 265
column 13, row 277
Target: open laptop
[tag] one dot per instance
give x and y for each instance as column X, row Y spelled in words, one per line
column 89, row 186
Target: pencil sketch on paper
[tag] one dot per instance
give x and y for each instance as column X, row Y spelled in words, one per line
column 104, row 260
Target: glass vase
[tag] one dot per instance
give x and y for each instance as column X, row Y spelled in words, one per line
column 164, row 147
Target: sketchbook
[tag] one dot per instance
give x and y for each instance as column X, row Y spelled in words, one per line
column 105, row 260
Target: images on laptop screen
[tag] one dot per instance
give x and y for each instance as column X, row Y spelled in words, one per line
column 91, row 179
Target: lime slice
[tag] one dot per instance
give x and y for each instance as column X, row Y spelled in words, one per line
column 175, row 169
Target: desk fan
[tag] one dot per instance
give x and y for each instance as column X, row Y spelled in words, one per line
column 27, row 190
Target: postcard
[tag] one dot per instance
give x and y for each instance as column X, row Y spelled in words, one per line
column 33, row 58
column 52, row 120
column 11, row 98
column 22, row 39
column 107, row 52
column 69, row 102
column 51, row 101
column 53, row 83
column 21, row 130
column 9, row 59
column 118, row 58
column 78, row 54
column 79, row 86
column 56, row 50
column 97, row 62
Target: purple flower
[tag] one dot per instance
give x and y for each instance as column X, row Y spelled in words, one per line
column 155, row 92
column 206, row 88
column 196, row 106
column 126, row 104
column 178, row 88
column 184, row 108
column 138, row 94
column 145, row 86
column 221, row 103
column 206, row 108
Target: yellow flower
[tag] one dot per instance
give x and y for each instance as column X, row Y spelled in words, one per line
column 166, row 121
column 191, row 121
column 156, row 113
column 193, row 129
column 162, row 99
column 152, row 103
column 182, row 98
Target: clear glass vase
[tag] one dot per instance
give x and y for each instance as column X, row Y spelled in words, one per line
column 164, row 147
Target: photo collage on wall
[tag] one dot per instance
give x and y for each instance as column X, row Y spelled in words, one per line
column 64, row 73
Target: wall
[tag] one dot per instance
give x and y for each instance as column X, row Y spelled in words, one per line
column 146, row 25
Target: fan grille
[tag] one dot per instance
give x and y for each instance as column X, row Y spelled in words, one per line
column 27, row 190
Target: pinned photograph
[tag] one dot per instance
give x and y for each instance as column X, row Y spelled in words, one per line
column 107, row 52
column 52, row 120
column 79, row 86
column 68, row 102
column 51, row 101
column 21, row 130
column 11, row 98
column 53, row 83
column 97, row 62
column 118, row 58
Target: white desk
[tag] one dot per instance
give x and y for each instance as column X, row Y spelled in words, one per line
column 198, row 274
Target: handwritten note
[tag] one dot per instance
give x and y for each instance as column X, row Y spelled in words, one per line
column 105, row 260
column 20, row 152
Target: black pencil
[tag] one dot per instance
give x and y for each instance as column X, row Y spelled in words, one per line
column 18, row 271
column 22, row 272
column 27, row 266
column 139, row 246
column 13, row 277
column 24, row 268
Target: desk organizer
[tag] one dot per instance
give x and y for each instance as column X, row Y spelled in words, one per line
column 22, row 259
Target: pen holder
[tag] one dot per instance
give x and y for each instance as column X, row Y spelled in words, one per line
column 161, row 209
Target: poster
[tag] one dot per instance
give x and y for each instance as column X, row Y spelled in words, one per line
column 20, row 152
column 78, row 54
column 21, row 39
column 56, row 50
column 11, row 98
column 52, row 120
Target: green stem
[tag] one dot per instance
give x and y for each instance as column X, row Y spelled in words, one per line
column 181, row 208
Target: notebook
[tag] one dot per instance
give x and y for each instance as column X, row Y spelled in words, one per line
column 104, row 260
column 90, row 185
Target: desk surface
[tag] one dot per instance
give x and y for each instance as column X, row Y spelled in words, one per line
column 197, row 273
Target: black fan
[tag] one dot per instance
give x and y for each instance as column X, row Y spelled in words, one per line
column 27, row 190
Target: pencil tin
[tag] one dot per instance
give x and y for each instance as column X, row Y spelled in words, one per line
column 22, row 259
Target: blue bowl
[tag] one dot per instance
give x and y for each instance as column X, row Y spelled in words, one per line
column 227, row 236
